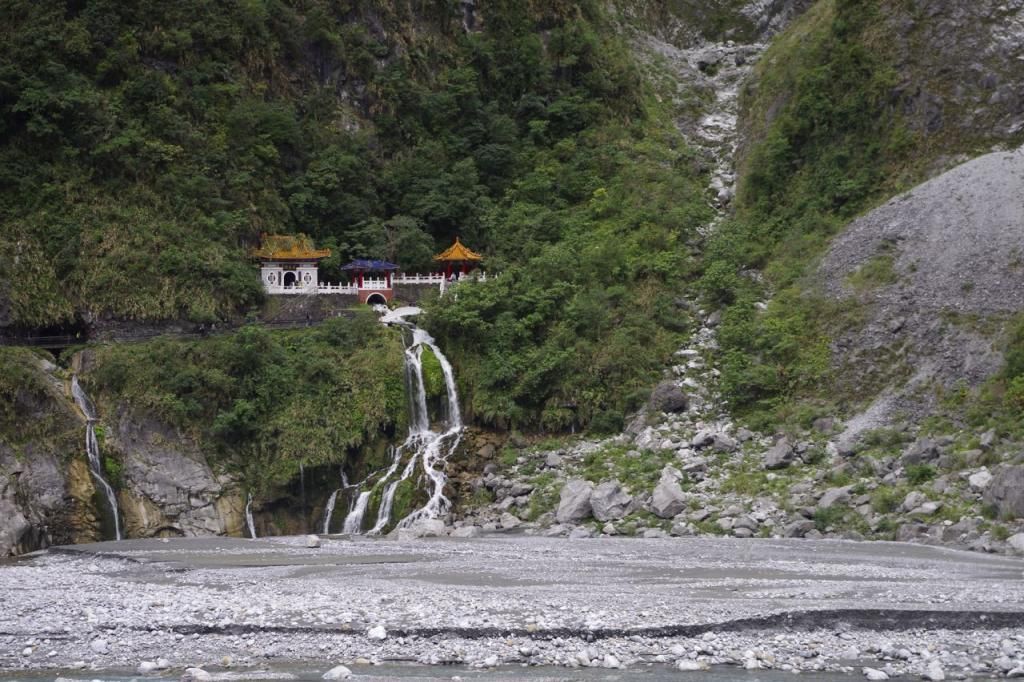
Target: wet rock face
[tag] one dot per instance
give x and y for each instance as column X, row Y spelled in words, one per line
column 168, row 486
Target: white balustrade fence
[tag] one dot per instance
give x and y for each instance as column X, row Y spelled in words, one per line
column 378, row 284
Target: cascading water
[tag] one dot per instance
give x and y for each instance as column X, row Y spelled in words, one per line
column 427, row 448
column 92, row 449
column 354, row 520
column 333, row 500
column 248, row 517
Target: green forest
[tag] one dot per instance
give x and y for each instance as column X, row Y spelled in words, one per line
column 146, row 146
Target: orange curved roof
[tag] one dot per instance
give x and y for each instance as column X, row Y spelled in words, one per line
column 458, row 252
column 288, row 247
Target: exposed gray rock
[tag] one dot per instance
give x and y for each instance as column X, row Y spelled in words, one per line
column 780, row 455
column 920, row 451
column 168, row 484
column 574, row 502
column 1006, row 492
column 668, row 397
column 798, row 528
column 466, row 532
column 610, row 502
column 668, row 498
column 553, row 460
column 950, row 242
column 834, row 496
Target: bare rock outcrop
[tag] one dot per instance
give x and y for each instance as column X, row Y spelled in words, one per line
column 168, row 486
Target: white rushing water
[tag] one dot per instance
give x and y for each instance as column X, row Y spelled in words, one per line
column 248, row 517
column 424, row 448
column 92, row 449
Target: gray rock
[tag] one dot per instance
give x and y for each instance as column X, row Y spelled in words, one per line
column 702, row 438
column 655, row 533
column 196, row 675
column 668, row 397
column 99, row 646
column 580, row 534
column 723, row 442
column 798, row 528
column 574, row 502
column 779, row 456
column 668, row 498
column 834, row 496
column 338, row 672
column 466, row 532
column 913, row 500
column 1016, row 541
column 312, row 541
column 509, row 521
column 1006, row 492
column 553, row 460
column 609, row 502
column 921, row 451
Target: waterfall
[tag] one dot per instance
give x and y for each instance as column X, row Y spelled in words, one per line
column 425, row 447
column 354, row 520
column 248, row 517
column 329, row 510
column 92, row 449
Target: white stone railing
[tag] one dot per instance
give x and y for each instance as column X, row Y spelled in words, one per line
column 337, row 289
column 378, row 284
column 428, row 278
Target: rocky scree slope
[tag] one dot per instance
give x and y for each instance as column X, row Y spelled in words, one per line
column 684, row 468
column 937, row 272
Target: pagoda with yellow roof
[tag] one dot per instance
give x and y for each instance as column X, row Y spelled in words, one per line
column 458, row 259
column 290, row 263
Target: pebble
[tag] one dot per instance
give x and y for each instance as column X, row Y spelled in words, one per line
column 338, row 672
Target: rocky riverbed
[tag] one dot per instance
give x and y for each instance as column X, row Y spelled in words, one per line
column 497, row 600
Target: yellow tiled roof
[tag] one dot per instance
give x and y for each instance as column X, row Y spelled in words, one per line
column 457, row 252
column 288, row 247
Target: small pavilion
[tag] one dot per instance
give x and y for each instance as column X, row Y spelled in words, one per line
column 458, row 259
column 290, row 263
column 373, row 280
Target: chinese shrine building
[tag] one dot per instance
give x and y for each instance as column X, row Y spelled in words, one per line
column 290, row 265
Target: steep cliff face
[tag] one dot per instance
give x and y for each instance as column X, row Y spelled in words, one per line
column 46, row 495
column 167, row 486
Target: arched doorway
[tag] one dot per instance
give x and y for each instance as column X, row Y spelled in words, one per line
column 289, row 279
column 376, row 299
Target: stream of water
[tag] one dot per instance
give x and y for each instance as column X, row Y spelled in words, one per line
column 425, row 448
column 92, row 449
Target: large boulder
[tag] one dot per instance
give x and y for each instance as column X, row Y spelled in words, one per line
column 1006, row 492
column 574, row 503
column 668, row 498
column 834, row 496
column 921, row 451
column 779, row 456
column 610, row 502
column 668, row 397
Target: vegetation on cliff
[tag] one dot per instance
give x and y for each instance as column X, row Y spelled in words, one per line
column 260, row 402
column 833, row 129
column 146, row 146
